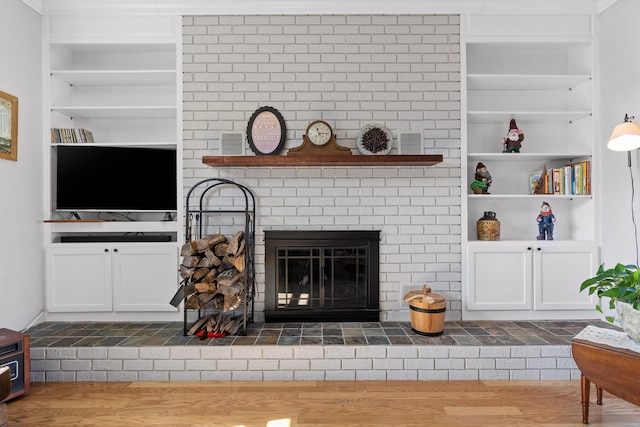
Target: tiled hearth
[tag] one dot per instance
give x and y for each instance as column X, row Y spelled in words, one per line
column 304, row 351
column 478, row 333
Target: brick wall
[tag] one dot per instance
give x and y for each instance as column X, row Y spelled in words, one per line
column 399, row 71
column 303, row 363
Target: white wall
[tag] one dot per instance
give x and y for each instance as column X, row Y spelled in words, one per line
column 21, row 252
column 619, row 45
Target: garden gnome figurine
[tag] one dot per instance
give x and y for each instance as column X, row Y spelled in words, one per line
column 483, row 176
column 545, row 222
column 513, row 141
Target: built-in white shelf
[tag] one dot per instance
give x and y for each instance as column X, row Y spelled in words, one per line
column 134, row 144
column 525, row 116
column 527, row 196
column 525, row 81
column 118, row 112
column 525, row 157
column 113, row 226
column 116, row 77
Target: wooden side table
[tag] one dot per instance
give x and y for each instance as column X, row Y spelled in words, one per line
column 609, row 359
column 14, row 353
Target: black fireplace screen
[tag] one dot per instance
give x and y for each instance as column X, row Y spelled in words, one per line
column 322, row 276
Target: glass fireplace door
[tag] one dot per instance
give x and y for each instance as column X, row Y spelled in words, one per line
column 321, row 278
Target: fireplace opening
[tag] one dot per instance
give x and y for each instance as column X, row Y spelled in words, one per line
column 322, row 276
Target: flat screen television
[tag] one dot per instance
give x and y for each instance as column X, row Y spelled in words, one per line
column 115, row 179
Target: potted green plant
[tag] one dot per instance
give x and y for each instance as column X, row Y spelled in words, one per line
column 621, row 284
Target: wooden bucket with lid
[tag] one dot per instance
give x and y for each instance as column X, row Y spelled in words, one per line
column 427, row 311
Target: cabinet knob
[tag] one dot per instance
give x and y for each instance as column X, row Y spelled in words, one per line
column 539, row 248
column 529, row 248
column 106, row 250
column 115, row 250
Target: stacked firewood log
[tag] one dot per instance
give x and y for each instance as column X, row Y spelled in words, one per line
column 215, row 271
column 215, row 325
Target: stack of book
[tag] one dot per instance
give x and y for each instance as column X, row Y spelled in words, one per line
column 70, row 136
column 571, row 179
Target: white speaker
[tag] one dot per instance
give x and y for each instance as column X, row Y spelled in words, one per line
column 410, row 142
column 232, row 144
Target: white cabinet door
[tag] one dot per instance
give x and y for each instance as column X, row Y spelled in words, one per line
column 131, row 278
column 558, row 272
column 145, row 278
column 499, row 276
column 78, row 279
column 534, row 276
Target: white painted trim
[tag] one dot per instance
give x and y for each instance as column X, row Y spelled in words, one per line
column 260, row 7
column 605, row 4
column 34, row 4
column 289, row 7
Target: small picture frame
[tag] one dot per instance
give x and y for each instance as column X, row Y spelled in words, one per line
column 266, row 131
column 8, row 126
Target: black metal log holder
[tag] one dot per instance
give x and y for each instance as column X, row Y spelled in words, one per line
column 199, row 208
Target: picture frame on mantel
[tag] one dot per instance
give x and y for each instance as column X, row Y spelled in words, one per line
column 8, row 126
column 266, row 131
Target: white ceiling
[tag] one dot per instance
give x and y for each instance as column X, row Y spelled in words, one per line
column 260, row 7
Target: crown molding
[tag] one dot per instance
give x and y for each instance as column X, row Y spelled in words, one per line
column 605, row 4
column 34, row 4
column 255, row 7
column 326, row 7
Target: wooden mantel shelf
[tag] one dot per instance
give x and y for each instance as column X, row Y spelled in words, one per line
column 327, row 160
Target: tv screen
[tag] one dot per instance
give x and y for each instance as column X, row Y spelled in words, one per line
column 117, row 179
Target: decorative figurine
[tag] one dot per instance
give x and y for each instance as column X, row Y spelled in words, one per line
column 488, row 227
column 482, row 180
column 513, row 141
column 545, row 222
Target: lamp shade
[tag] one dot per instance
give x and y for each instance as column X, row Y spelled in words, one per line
column 625, row 137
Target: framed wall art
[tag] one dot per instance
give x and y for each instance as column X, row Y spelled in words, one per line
column 266, row 131
column 8, row 126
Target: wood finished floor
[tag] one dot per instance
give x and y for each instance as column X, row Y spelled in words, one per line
column 317, row 404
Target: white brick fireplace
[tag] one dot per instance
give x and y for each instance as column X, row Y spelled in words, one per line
column 399, row 71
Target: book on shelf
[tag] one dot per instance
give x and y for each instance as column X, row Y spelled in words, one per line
column 557, row 181
column 71, row 136
column 571, row 179
column 534, row 180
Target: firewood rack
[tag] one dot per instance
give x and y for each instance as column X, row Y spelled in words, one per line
column 218, row 205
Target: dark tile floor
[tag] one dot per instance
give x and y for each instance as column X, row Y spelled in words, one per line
column 473, row 333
